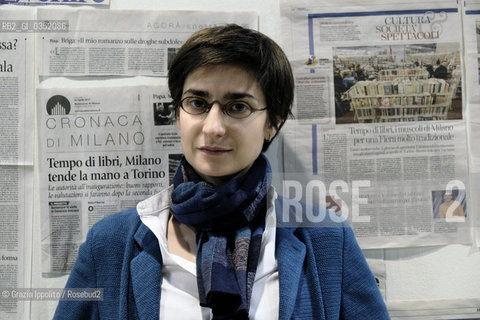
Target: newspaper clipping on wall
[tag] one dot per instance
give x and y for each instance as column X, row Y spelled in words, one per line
column 380, row 133
column 102, row 149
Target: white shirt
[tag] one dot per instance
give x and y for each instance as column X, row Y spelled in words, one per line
column 179, row 296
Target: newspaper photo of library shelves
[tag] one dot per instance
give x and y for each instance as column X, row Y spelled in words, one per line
column 415, row 82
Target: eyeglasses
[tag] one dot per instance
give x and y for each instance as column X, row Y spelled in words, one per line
column 235, row 108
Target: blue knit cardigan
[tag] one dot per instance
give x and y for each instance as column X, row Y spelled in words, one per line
column 322, row 273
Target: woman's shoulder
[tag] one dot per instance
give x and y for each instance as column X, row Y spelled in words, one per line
column 331, row 237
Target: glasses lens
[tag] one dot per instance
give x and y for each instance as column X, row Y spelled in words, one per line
column 194, row 105
column 238, row 109
column 235, row 109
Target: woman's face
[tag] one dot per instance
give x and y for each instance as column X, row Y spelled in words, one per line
column 217, row 146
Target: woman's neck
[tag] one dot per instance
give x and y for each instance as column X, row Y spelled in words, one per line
column 181, row 239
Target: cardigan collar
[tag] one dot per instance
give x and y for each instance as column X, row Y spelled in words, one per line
column 146, row 274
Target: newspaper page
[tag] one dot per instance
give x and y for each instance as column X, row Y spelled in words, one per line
column 103, row 147
column 471, row 25
column 381, row 137
column 122, row 42
column 16, row 155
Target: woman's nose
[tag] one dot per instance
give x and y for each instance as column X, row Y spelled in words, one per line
column 214, row 122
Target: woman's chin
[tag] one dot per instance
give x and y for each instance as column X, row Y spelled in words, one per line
column 218, row 178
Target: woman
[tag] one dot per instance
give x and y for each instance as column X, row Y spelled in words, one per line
column 209, row 246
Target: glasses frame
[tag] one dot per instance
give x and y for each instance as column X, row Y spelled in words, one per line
column 223, row 107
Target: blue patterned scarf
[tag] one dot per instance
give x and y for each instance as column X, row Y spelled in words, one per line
column 229, row 221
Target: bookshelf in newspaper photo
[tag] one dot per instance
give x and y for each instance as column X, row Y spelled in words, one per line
column 405, row 100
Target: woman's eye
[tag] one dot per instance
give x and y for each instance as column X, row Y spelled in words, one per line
column 197, row 104
column 238, row 107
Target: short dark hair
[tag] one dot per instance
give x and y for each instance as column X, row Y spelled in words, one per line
column 246, row 48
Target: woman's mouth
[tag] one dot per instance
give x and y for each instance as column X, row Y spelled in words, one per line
column 214, row 150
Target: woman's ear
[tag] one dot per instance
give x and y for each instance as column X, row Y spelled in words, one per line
column 271, row 130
